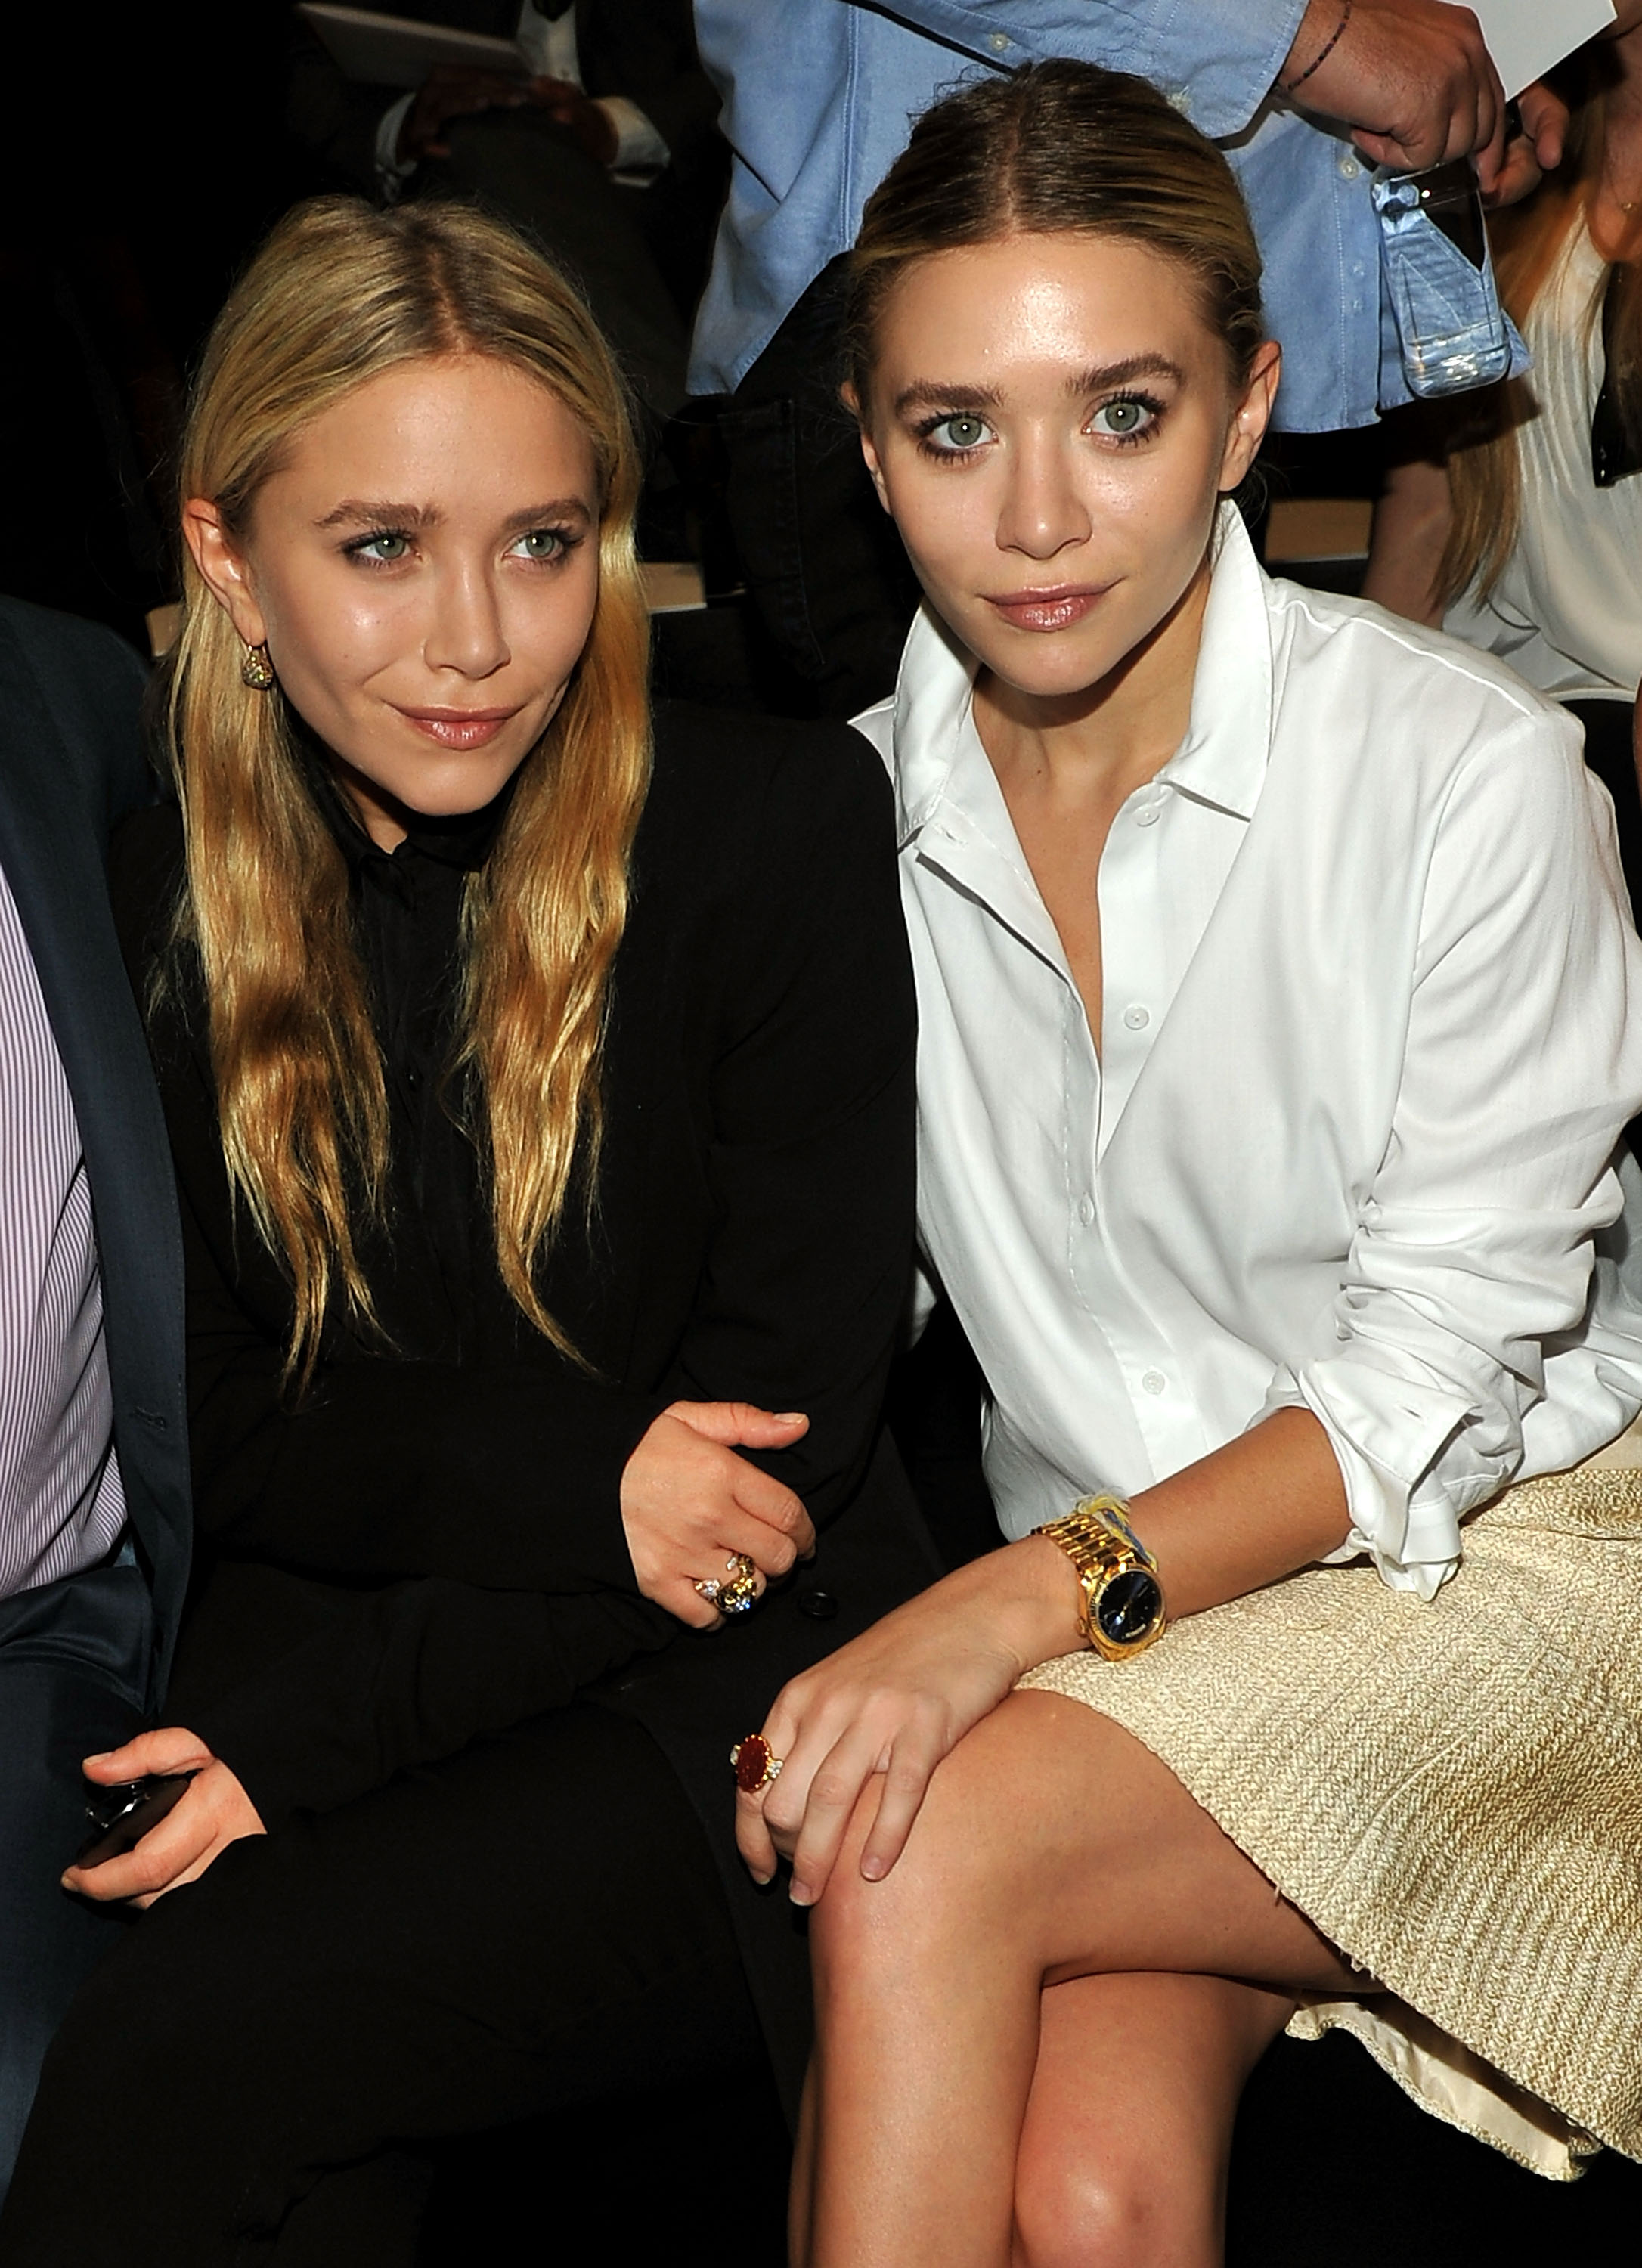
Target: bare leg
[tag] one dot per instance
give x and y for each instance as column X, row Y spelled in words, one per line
column 1051, row 1845
column 1122, row 2157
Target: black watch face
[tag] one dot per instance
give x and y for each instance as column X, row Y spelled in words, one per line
column 1127, row 1607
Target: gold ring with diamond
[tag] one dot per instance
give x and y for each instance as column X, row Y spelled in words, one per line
column 741, row 1592
column 754, row 1764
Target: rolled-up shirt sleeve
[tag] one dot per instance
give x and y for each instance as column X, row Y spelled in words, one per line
column 1475, row 1245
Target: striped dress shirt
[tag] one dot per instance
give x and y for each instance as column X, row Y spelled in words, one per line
column 62, row 1504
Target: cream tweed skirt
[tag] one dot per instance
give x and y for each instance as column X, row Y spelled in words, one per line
column 1451, row 1793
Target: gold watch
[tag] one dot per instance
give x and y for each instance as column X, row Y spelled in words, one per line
column 1122, row 1610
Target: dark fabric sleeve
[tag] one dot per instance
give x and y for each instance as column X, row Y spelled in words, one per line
column 333, row 119
column 505, row 1475
column 366, row 1684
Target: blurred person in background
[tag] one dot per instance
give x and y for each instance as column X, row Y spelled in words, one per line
column 607, row 157
column 1516, row 517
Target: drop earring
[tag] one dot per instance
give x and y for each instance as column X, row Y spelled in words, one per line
column 256, row 669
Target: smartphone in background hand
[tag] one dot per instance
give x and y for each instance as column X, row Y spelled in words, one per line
column 122, row 1815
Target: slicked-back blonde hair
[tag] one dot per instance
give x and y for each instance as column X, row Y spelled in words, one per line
column 339, row 294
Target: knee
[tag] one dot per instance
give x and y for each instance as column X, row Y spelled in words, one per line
column 947, row 1882
column 1122, row 2213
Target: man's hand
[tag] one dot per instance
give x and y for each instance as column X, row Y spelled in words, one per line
column 213, row 1811
column 450, row 92
column 1537, row 149
column 1413, row 80
column 585, row 121
column 689, row 1502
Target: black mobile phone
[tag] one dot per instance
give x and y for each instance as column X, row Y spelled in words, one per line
column 122, row 1815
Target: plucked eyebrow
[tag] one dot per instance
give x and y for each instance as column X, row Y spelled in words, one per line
column 370, row 512
column 927, row 394
column 1105, row 375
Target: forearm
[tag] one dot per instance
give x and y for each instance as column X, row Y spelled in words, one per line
column 1265, row 1505
column 503, row 1477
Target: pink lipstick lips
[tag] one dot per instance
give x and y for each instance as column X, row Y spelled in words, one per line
column 459, row 728
column 1056, row 609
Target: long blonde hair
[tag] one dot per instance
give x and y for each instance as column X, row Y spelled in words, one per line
column 1484, row 469
column 339, row 294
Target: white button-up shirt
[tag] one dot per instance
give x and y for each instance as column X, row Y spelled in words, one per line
column 1372, row 1023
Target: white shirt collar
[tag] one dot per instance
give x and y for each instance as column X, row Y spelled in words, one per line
column 1222, row 760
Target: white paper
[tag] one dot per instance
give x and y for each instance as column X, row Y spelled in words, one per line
column 1526, row 37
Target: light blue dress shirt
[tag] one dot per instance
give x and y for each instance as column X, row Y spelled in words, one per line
column 818, row 96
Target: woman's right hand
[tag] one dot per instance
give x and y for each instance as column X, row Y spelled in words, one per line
column 690, row 1504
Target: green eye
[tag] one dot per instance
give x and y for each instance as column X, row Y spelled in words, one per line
column 386, row 546
column 963, row 431
column 1124, row 419
column 542, row 543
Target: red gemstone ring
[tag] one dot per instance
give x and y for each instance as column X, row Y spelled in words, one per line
column 754, row 1764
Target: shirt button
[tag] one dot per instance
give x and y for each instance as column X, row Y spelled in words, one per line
column 1085, row 1211
column 1348, row 168
column 1148, row 815
column 997, row 42
column 1153, row 1381
column 1137, row 1018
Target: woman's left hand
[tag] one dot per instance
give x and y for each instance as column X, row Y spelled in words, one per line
column 212, row 1812
column 893, row 1702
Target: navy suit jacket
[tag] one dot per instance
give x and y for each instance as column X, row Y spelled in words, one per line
column 70, row 766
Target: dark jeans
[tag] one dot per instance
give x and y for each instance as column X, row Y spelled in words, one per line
column 820, row 558
column 533, row 174
column 73, row 1663
column 533, row 1924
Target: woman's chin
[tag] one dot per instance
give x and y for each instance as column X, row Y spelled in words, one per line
column 1052, row 671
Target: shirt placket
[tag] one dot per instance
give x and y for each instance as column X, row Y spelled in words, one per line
column 1136, row 985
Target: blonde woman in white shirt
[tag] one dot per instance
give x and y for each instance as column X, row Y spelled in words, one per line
column 1276, row 1038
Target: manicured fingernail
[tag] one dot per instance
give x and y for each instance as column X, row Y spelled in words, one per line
column 763, row 1881
column 789, row 1418
column 801, row 1894
column 101, row 1757
column 874, row 1870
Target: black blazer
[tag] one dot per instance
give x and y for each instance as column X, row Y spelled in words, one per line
column 429, row 1550
column 70, row 767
